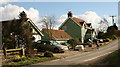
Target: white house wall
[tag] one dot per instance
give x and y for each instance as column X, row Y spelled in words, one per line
column 37, row 37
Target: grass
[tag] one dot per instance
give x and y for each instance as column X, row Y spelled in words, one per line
column 111, row 59
column 26, row 61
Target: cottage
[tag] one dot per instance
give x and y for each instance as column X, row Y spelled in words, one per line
column 77, row 28
column 58, row 35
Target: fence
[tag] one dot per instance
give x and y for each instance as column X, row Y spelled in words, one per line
column 19, row 51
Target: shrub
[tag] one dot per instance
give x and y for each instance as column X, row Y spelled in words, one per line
column 48, row 54
column 18, row 58
column 115, row 36
column 90, row 45
column 73, row 42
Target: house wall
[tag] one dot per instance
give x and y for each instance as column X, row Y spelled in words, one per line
column 36, row 35
column 62, row 41
column 94, row 34
column 90, row 36
column 87, row 36
column 83, row 34
column 45, row 37
column 33, row 30
column 71, row 28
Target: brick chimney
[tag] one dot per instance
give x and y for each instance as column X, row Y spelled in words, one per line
column 70, row 14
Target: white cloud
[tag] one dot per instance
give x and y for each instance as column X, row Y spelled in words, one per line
column 62, row 18
column 91, row 17
column 109, row 19
column 9, row 12
column 6, row 1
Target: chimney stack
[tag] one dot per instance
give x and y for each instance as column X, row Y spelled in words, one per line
column 70, row 14
column 113, row 19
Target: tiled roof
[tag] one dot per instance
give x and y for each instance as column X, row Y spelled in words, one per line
column 59, row 34
column 79, row 21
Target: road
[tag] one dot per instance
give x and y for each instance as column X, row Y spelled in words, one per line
column 82, row 57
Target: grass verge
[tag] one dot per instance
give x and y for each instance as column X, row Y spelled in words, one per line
column 111, row 59
column 26, row 61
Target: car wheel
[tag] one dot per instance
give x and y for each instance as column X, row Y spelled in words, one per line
column 56, row 50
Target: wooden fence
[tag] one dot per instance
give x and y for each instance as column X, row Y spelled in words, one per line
column 19, row 51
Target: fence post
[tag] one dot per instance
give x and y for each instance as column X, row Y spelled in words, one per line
column 23, row 52
column 5, row 52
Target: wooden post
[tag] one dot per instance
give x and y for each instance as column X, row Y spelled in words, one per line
column 5, row 52
column 23, row 52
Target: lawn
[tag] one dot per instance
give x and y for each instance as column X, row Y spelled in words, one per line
column 25, row 61
column 111, row 59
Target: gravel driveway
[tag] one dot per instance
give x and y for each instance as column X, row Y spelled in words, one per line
column 67, row 53
column 71, row 53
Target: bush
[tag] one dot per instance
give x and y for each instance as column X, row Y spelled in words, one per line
column 48, row 54
column 73, row 42
column 115, row 36
column 90, row 45
column 18, row 58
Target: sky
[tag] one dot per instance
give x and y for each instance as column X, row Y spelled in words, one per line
column 91, row 12
column 59, row 8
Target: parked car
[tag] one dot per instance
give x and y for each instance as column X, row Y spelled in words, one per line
column 50, row 46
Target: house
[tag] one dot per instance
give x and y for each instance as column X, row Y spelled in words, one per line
column 57, row 35
column 35, row 30
column 77, row 28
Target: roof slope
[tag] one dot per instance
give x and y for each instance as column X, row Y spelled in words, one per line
column 59, row 34
column 28, row 19
column 35, row 27
column 78, row 21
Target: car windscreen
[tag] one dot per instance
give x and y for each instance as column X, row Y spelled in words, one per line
column 55, row 43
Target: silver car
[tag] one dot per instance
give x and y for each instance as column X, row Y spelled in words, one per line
column 51, row 46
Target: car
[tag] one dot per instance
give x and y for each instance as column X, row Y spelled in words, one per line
column 51, row 46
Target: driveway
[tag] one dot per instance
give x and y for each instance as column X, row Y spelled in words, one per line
column 82, row 57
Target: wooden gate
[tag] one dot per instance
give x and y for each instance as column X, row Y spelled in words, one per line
column 19, row 51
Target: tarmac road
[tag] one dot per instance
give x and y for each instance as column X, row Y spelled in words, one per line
column 82, row 57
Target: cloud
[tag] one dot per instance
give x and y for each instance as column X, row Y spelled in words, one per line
column 6, row 1
column 91, row 17
column 109, row 19
column 10, row 11
column 62, row 18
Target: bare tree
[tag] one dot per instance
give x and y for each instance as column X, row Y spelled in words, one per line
column 103, row 25
column 48, row 23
